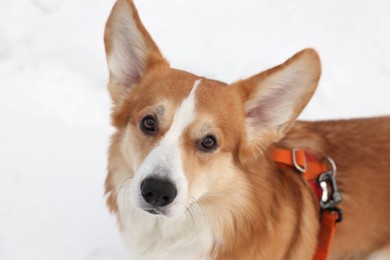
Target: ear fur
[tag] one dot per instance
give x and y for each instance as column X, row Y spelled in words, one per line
column 130, row 50
column 273, row 99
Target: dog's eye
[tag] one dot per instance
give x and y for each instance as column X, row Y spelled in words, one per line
column 208, row 144
column 148, row 125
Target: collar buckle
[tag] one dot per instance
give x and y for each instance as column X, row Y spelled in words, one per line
column 331, row 195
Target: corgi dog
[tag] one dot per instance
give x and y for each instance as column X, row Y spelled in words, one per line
column 191, row 173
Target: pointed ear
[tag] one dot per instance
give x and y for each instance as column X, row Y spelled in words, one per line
column 130, row 50
column 273, row 99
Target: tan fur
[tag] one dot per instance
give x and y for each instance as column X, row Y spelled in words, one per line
column 361, row 149
column 256, row 209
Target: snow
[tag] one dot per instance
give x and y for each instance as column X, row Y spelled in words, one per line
column 54, row 107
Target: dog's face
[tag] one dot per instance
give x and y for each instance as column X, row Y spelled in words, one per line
column 183, row 139
column 176, row 145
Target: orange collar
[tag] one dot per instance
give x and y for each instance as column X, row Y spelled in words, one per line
column 316, row 172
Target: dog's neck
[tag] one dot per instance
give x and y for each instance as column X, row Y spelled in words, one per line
column 280, row 205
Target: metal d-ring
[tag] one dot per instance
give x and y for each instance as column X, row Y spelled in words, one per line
column 296, row 164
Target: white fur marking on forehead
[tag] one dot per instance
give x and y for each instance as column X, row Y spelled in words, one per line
column 183, row 115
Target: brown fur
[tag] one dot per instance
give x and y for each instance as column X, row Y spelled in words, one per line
column 361, row 149
column 256, row 209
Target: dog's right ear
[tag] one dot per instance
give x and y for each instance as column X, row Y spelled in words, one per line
column 130, row 50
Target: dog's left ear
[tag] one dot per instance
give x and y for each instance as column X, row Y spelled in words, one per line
column 273, row 99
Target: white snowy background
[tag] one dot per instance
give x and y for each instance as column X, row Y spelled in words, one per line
column 54, row 107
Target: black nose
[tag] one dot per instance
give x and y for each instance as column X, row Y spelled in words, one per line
column 158, row 192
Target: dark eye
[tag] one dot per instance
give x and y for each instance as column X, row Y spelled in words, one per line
column 148, row 125
column 208, row 144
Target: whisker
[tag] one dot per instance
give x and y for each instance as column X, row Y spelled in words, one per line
column 126, row 179
column 124, row 189
column 197, row 206
column 192, row 216
column 125, row 206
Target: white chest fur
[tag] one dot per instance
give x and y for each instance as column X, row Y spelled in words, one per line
column 150, row 237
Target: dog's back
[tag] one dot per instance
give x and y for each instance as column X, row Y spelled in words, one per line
column 361, row 150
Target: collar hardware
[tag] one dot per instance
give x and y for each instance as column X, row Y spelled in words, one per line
column 322, row 180
column 294, row 155
column 331, row 194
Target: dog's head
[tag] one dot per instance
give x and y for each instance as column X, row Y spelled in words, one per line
column 182, row 138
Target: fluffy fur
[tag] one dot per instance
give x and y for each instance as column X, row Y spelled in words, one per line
column 233, row 202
